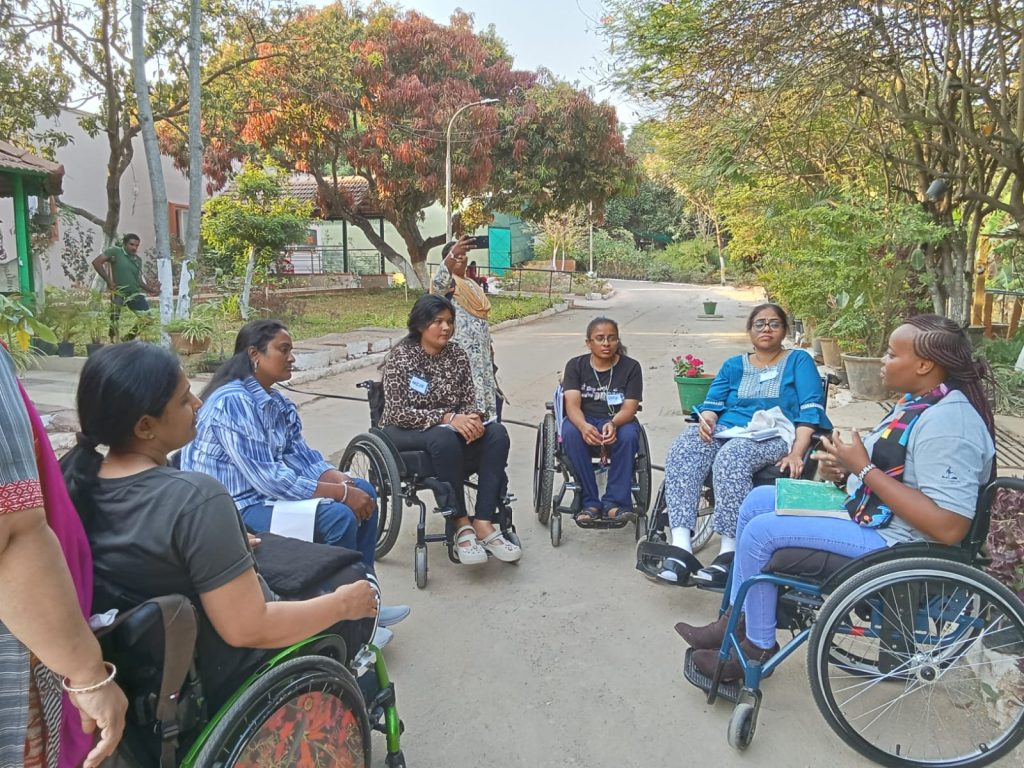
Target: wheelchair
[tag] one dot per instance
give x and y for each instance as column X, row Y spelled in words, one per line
column 653, row 549
column 549, row 458
column 915, row 657
column 398, row 477
column 309, row 704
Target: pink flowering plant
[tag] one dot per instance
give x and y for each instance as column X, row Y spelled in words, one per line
column 688, row 366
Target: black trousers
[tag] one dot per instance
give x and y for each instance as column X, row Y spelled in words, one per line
column 453, row 458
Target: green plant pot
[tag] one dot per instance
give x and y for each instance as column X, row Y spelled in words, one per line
column 710, row 307
column 693, row 390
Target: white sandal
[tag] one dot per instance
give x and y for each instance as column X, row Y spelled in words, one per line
column 501, row 547
column 473, row 554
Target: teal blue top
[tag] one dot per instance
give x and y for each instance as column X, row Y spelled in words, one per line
column 793, row 384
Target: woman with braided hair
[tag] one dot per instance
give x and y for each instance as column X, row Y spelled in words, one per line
column 915, row 477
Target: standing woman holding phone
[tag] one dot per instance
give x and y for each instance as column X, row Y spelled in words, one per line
column 472, row 329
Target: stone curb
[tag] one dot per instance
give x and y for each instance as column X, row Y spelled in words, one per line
column 375, row 358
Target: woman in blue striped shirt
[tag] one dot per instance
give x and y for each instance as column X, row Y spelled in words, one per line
column 250, row 438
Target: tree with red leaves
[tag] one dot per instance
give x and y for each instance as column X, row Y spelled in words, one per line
column 371, row 93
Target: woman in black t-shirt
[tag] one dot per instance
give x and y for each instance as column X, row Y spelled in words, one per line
column 155, row 530
column 602, row 391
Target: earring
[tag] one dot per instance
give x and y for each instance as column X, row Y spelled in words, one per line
column 256, row 364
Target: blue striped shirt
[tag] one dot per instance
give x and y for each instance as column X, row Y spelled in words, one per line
column 251, row 440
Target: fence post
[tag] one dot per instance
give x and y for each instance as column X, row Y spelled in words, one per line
column 551, row 276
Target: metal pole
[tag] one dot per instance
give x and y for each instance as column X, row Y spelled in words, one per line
column 448, row 165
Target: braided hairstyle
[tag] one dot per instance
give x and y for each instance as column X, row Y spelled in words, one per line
column 944, row 342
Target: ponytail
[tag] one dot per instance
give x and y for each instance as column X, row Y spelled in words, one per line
column 119, row 384
column 257, row 334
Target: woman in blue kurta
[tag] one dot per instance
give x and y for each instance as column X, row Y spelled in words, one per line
column 768, row 377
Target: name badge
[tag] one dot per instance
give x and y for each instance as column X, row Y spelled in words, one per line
column 616, row 398
column 768, row 376
column 416, row 384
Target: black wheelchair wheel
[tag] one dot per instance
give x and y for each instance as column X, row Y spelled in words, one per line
column 642, row 475
column 702, row 530
column 544, row 468
column 658, row 523
column 305, row 711
column 939, row 675
column 369, row 457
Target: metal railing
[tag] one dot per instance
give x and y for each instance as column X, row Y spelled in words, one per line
column 515, row 279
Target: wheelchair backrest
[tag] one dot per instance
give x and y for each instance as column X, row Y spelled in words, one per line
column 375, row 398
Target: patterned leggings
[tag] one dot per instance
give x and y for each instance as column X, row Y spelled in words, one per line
column 732, row 464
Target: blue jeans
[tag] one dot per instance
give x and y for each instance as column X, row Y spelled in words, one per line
column 761, row 532
column 621, row 454
column 335, row 524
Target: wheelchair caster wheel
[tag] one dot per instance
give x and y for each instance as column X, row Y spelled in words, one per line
column 420, row 568
column 742, row 725
column 395, row 760
column 555, row 527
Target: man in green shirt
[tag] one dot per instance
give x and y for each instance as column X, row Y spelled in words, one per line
column 121, row 269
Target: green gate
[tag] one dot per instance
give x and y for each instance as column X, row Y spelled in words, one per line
column 500, row 249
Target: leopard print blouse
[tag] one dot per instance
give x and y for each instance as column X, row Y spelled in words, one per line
column 419, row 389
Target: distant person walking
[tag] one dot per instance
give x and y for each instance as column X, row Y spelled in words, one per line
column 120, row 266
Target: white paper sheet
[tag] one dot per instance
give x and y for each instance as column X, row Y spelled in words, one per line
column 294, row 519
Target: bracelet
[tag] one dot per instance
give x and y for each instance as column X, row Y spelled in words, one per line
column 450, row 419
column 90, row 688
column 345, row 483
column 864, row 472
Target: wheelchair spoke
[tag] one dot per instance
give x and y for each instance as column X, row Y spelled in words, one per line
column 949, row 636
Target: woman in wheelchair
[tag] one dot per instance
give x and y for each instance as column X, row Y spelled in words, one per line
column 602, row 391
column 430, row 405
column 915, row 477
column 156, row 531
column 769, row 377
column 249, row 437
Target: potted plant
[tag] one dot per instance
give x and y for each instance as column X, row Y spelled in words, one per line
column 96, row 321
column 692, row 382
column 191, row 335
column 19, row 327
column 64, row 312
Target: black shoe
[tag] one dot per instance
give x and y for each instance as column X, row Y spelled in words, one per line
column 716, row 574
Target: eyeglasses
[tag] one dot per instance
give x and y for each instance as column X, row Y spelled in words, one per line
column 605, row 339
column 760, row 325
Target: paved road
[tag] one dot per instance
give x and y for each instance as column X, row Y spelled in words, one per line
column 569, row 658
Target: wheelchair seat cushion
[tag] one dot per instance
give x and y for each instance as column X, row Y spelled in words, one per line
column 293, row 568
column 806, row 563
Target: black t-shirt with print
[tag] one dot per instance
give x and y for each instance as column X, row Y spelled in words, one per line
column 625, row 381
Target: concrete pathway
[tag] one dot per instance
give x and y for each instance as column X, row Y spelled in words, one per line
column 569, row 657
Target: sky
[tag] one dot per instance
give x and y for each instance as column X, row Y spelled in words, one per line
column 560, row 35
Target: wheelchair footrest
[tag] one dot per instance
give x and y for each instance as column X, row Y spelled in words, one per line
column 727, row 691
column 603, row 523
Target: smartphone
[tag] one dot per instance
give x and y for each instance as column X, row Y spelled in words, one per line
column 481, row 242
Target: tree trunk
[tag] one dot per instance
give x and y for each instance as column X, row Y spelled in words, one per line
column 250, row 267
column 195, row 160
column 165, row 274
column 721, row 252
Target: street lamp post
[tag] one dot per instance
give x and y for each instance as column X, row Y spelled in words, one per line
column 448, row 165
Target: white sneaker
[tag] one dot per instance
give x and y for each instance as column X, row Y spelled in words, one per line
column 501, row 547
column 382, row 637
column 468, row 548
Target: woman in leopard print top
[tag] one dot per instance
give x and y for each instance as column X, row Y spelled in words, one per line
column 430, row 405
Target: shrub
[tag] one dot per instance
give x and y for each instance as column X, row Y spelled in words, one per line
column 1006, row 540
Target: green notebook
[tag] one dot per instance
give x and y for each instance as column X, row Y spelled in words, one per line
column 810, row 498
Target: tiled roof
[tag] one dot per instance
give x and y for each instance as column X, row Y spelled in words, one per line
column 14, row 159
column 302, row 186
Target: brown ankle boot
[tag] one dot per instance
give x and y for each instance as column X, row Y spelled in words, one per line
column 710, row 636
column 707, row 660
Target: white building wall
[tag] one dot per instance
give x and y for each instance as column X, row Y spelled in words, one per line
column 85, row 171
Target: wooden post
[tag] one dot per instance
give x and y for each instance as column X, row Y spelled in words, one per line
column 989, row 301
column 26, row 281
column 1018, row 304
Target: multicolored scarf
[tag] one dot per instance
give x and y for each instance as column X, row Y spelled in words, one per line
column 889, row 454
